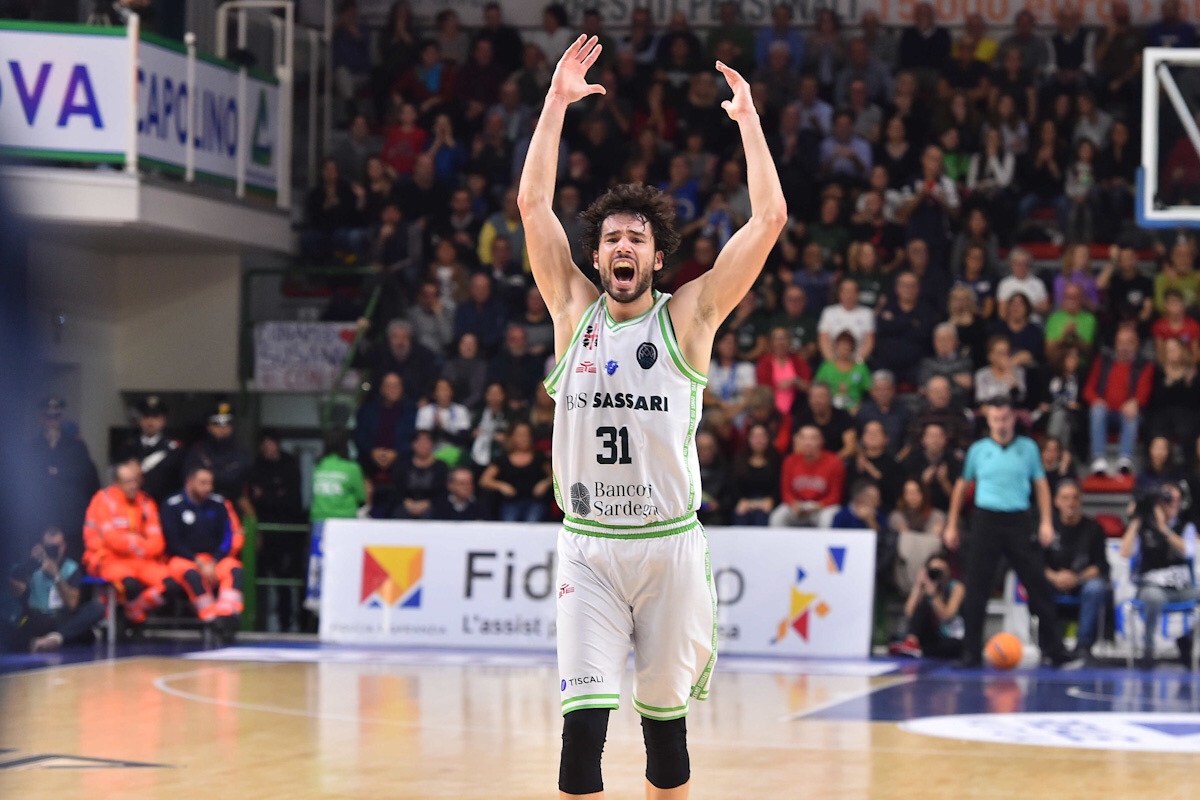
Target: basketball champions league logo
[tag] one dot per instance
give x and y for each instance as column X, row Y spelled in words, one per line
column 391, row 576
column 805, row 603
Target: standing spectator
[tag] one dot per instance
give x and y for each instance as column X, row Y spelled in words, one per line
column 881, row 405
column 1117, row 389
column 918, row 526
column 66, row 476
column 383, row 432
column 458, row 503
column 1160, row 540
column 220, row 453
column 450, row 422
column 161, row 457
column 783, row 370
column 47, row 587
column 904, row 329
column 934, row 465
column 467, row 372
column 420, row 477
column 124, row 541
column 1006, row 470
column 932, row 613
column 754, row 480
column 521, row 476
column 873, row 464
column 273, row 488
column 811, row 478
column 203, row 538
column 339, row 490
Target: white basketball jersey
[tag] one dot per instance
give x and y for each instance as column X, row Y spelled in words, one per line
column 628, row 404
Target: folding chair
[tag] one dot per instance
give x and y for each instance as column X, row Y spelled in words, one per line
column 1133, row 609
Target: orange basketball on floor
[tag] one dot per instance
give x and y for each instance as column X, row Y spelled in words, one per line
column 1003, row 651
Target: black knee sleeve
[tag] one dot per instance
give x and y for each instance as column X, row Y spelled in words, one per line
column 236, row 574
column 192, row 579
column 667, row 763
column 132, row 588
column 583, row 737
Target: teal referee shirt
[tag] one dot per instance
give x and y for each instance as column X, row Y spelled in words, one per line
column 1002, row 473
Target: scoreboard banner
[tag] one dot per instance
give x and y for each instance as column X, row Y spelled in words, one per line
column 780, row 592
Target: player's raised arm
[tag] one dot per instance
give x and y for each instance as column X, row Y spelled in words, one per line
column 712, row 296
column 566, row 290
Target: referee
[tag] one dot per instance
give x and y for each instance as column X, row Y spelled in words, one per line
column 1003, row 466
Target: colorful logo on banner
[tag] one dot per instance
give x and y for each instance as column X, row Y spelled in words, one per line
column 804, row 603
column 391, row 576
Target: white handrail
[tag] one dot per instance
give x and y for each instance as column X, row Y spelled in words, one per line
column 189, row 152
column 132, row 32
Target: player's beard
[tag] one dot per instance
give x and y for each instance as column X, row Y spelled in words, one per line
column 627, row 295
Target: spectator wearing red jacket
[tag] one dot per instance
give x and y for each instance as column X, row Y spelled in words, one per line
column 1117, row 389
column 811, row 479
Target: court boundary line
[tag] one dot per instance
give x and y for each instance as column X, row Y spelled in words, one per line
column 828, row 704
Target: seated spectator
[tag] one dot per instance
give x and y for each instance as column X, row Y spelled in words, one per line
column 845, row 157
column 800, row 324
column 934, row 465
column 482, row 315
column 351, row 57
column 1118, row 387
column 1160, row 467
column 982, row 283
column 729, row 378
column 1013, row 81
column 450, row 422
column 815, row 275
column 847, row 378
column 418, row 479
column 514, row 366
column 847, row 315
column 123, row 542
column 932, row 613
column 383, row 433
column 1116, row 173
column 924, row 46
column 203, row 537
column 972, row 330
column 467, row 372
column 1129, row 294
column 904, row 328
column 1026, row 341
column 1041, row 172
column 714, row 478
column 897, row 155
column 948, row 362
column 991, row 177
column 273, row 489
column 1177, row 325
column 1057, row 462
column 1070, row 325
column 881, row 405
column 1021, row 280
column 811, row 478
column 1175, row 395
column 1159, row 540
column 46, row 610
column 339, row 491
column 1003, row 378
column 863, row 511
column 432, row 319
column 430, row 84
column 534, row 317
column 1065, row 418
column 754, row 479
column 828, row 231
column 1075, row 270
column 862, row 65
column 750, row 325
column 782, row 30
column 836, row 425
column 785, row 372
column 1178, row 272
column 504, row 224
column 873, row 464
column 521, row 477
column 918, row 526
column 1077, row 563
column 492, row 424
column 414, row 363
column 458, row 503
column 403, row 140
column 938, row 407
column 932, row 205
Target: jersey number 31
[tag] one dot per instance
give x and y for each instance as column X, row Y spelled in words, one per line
column 615, row 442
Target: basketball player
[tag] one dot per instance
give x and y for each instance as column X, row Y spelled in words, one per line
column 633, row 559
column 1005, row 467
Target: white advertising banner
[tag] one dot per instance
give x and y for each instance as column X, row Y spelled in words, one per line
column 492, row 585
column 301, row 356
column 162, row 115
column 63, row 94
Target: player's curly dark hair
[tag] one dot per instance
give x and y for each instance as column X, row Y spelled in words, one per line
column 644, row 201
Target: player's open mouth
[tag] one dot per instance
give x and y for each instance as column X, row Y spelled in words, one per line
column 624, row 273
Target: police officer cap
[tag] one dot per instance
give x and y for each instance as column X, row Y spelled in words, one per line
column 222, row 414
column 152, row 406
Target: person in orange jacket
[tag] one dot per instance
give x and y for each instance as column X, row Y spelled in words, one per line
column 203, row 538
column 123, row 542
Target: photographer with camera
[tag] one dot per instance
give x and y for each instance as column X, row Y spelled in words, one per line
column 1161, row 540
column 935, row 627
column 46, row 611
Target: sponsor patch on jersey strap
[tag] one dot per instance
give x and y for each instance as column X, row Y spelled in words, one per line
column 654, row 530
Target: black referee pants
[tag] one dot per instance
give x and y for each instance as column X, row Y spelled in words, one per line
column 1012, row 534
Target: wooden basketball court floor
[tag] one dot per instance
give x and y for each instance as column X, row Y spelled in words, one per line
column 317, row 722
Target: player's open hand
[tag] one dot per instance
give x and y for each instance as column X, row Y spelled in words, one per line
column 570, row 76
column 742, row 105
